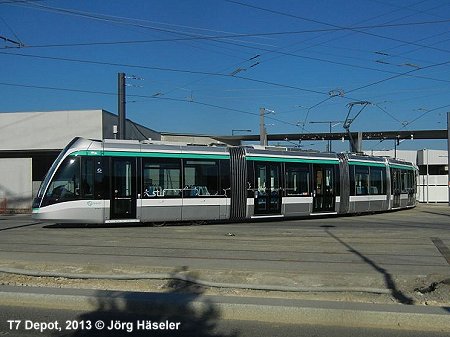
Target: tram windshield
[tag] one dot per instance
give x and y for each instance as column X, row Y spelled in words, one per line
column 42, row 188
column 65, row 185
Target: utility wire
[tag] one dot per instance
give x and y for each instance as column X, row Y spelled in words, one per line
column 399, row 75
column 341, row 37
column 426, row 113
column 354, row 29
column 232, row 35
column 191, row 37
column 240, row 45
column 20, row 43
column 124, row 20
column 143, row 96
column 171, row 70
column 337, row 28
column 389, row 114
column 240, row 77
column 212, row 73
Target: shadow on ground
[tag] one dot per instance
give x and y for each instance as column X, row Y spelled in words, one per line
column 437, row 213
column 135, row 314
column 20, row 226
column 388, row 280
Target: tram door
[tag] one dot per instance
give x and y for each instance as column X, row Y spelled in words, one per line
column 323, row 188
column 123, row 188
column 395, row 187
column 268, row 194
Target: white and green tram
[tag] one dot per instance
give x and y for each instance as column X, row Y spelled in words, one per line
column 115, row 181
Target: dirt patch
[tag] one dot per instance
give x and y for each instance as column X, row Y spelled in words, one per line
column 432, row 292
column 422, row 291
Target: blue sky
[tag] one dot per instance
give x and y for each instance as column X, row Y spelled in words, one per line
column 208, row 66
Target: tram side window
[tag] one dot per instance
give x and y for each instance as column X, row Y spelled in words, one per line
column 94, row 178
column 65, row 185
column 161, row 177
column 361, row 180
column 377, row 180
column 297, row 180
column 201, row 178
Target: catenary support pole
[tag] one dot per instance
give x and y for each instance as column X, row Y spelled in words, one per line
column 262, row 127
column 121, row 104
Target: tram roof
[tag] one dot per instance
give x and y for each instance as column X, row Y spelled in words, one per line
column 256, row 153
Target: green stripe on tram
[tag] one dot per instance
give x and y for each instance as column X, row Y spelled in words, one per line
column 150, row 154
column 402, row 167
column 293, row 160
column 364, row 163
column 377, row 164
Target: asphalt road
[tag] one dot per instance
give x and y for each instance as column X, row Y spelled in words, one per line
column 398, row 243
column 392, row 251
column 20, row 321
column 388, row 251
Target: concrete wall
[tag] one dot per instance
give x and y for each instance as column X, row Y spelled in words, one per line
column 406, row 155
column 189, row 139
column 433, row 188
column 133, row 130
column 47, row 130
column 15, row 183
column 432, row 157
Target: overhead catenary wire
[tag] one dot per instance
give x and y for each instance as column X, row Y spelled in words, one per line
column 192, row 37
column 290, row 87
column 170, row 70
column 128, row 21
column 18, row 41
column 143, row 96
column 354, row 29
column 119, row 20
column 212, row 73
column 253, row 80
column 398, row 75
column 268, row 50
column 426, row 113
column 341, row 37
